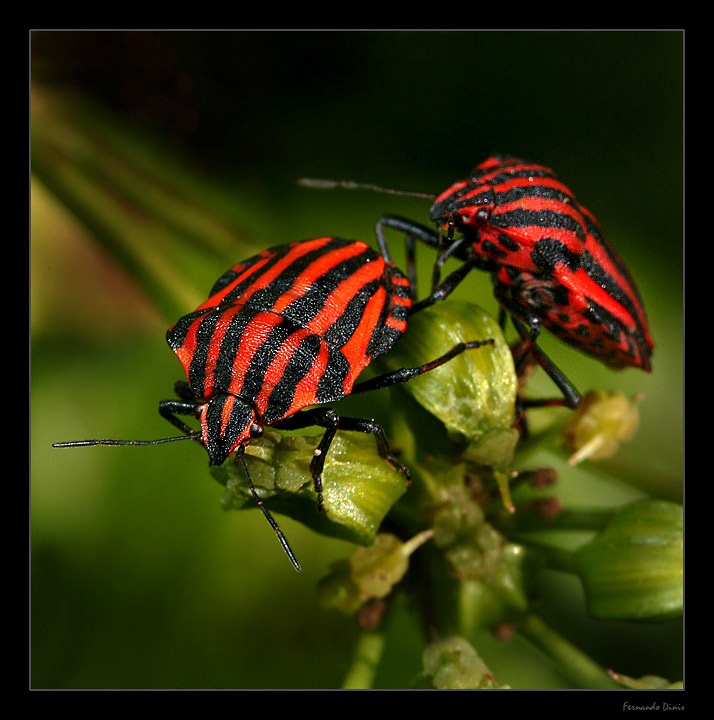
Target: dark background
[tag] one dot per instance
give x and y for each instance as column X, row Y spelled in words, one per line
column 138, row 578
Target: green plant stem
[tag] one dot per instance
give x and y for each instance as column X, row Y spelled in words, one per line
column 367, row 655
column 548, row 437
column 556, row 558
column 573, row 663
column 525, row 519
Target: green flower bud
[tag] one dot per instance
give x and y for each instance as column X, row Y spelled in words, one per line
column 633, row 568
column 359, row 487
column 453, row 664
column 338, row 591
column 494, row 448
column 376, row 569
column 647, row 682
column 473, row 394
column 602, row 421
column 369, row 572
column 487, row 577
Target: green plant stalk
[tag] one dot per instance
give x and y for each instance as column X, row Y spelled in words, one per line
column 523, row 520
column 365, row 661
column 556, row 558
column 573, row 663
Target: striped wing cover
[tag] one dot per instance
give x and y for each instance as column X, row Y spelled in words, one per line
column 293, row 326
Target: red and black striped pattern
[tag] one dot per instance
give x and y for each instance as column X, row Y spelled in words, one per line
column 286, row 329
column 549, row 257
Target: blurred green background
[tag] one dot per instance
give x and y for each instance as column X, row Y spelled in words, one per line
column 183, row 148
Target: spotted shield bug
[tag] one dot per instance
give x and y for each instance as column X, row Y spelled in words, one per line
column 281, row 335
column 550, row 262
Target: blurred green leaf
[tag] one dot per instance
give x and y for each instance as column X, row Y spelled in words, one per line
column 145, row 215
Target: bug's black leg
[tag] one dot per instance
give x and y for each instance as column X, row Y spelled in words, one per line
column 444, row 289
column 169, row 409
column 364, row 425
column 411, row 267
column 183, row 390
column 332, row 422
column 453, row 249
column 327, row 418
column 413, row 231
column 405, row 374
column 571, row 397
column 308, row 418
column 502, row 317
column 406, row 227
column 459, row 248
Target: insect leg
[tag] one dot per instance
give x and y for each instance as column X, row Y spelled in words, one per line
column 413, row 231
column 183, row 390
column 406, row 227
column 411, row 267
column 405, row 374
column 332, row 422
column 169, row 409
column 445, row 289
column 571, row 397
column 459, row 248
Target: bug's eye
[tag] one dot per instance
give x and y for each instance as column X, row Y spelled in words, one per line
column 482, row 214
column 256, row 430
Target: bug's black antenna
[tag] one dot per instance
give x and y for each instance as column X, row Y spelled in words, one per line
column 195, row 436
column 88, row 443
column 352, row 185
column 269, row 517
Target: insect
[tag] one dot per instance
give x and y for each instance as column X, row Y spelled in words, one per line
column 549, row 260
column 280, row 336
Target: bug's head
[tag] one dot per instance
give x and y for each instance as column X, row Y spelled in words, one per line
column 466, row 205
column 228, row 423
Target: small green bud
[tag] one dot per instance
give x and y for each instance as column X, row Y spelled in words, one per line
column 338, row 591
column 493, row 448
column 453, row 664
column 647, row 682
column 376, row 569
column 359, row 487
column 369, row 572
column 475, row 392
column 633, row 568
column 602, row 421
column 487, row 575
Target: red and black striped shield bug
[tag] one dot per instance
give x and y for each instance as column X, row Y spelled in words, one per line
column 550, row 262
column 281, row 335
